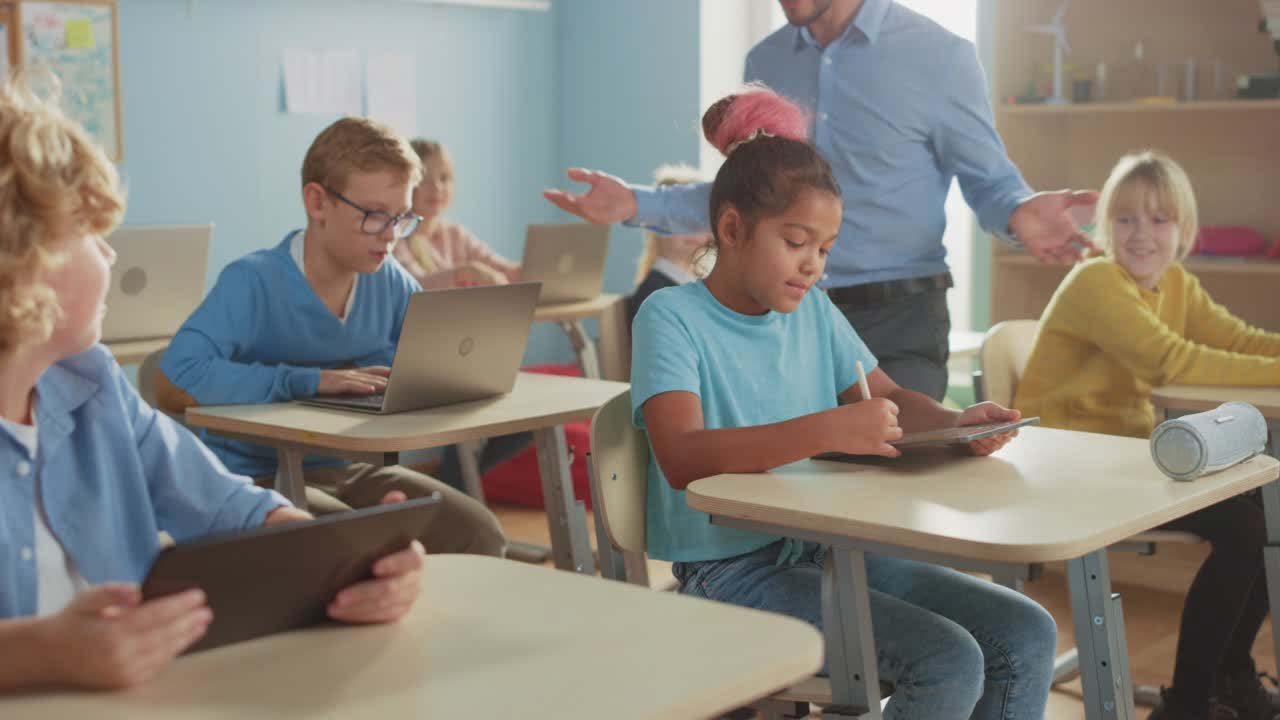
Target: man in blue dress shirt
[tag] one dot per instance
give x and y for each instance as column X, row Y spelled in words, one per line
column 899, row 108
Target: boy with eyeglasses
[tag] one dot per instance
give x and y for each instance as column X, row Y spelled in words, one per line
column 320, row 313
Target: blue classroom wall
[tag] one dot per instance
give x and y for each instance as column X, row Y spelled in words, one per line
column 628, row 84
column 206, row 139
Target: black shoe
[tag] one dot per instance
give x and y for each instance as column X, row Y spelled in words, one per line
column 1169, row 709
column 1248, row 697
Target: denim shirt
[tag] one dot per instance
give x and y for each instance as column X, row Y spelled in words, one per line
column 113, row 472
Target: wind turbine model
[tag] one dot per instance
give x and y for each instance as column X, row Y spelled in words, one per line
column 1058, row 29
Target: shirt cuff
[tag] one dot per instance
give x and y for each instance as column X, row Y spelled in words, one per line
column 998, row 222
column 650, row 209
column 303, row 382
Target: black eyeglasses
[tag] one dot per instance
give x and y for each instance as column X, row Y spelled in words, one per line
column 376, row 222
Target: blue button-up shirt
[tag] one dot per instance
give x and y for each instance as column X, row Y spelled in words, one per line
column 111, row 472
column 899, row 108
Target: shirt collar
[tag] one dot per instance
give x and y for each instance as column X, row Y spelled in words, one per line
column 866, row 24
column 297, row 245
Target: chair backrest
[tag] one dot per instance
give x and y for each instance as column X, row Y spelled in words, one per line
column 1003, row 358
column 620, row 458
column 148, row 371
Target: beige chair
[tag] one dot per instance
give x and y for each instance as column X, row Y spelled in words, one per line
column 618, row 466
column 1003, row 360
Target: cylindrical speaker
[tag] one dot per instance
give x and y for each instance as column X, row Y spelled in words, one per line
column 1193, row 445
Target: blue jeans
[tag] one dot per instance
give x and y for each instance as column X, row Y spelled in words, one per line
column 953, row 646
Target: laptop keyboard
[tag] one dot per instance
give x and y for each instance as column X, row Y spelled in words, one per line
column 372, row 401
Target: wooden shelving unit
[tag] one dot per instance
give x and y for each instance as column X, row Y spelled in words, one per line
column 1230, row 148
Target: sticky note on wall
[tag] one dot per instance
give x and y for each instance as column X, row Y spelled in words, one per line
column 80, row 34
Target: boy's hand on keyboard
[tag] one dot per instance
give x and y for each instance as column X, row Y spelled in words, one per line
column 360, row 381
column 983, row 414
column 108, row 638
column 866, row 428
column 397, row 580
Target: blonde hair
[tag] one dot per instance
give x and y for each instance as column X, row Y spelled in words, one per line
column 355, row 144
column 664, row 176
column 426, row 149
column 1150, row 177
column 54, row 179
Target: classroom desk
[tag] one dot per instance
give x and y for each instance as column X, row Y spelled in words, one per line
column 607, row 309
column 965, row 344
column 1197, row 398
column 127, row 352
column 1049, row 495
column 540, row 403
column 487, row 639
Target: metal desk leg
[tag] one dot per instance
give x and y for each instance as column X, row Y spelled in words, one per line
column 469, row 464
column 1271, row 554
column 566, row 517
column 851, row 648
column 584, row 346
column 290, row 480
column 1099, row 626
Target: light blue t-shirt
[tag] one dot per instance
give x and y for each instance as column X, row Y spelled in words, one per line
column 747, row 370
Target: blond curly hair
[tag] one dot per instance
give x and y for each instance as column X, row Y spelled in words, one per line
column 54, row 180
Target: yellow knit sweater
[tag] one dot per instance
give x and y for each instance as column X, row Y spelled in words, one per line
column 1104, row 343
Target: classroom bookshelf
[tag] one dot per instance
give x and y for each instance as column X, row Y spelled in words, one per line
column 1230, row 147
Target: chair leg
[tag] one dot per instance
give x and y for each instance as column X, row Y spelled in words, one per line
column 1146, row 695
column 1066, row 667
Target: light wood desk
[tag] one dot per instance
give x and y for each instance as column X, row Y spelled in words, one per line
column 129, row 352
column 538, row 403
column 965, row 344
column 482, row 643
column 1049, row 495
column 1198, row 398
column 611, row 360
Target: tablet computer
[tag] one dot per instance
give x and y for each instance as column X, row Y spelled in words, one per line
column 942, row 437
column 271, row 579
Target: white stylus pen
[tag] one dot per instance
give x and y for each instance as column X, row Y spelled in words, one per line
column 862, row 381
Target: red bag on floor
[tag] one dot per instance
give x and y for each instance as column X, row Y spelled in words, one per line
column 516, row 480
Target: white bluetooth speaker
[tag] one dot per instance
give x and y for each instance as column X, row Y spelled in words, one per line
column 1193, row 445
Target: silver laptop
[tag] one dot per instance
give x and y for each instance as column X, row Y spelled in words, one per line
column 157, row 281
column 567, row 259
column 455, row 346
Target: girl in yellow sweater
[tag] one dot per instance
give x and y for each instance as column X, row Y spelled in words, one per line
column 1135, row 319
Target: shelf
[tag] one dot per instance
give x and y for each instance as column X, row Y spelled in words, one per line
column 1104, row 108
column 1197, row 265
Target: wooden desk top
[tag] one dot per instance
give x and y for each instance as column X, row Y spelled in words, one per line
column 537, row 401
column 1048, row 495
column 488, row 639
column 135, row 351
column 1198, row 398
column 575, row 310
column 965, row 343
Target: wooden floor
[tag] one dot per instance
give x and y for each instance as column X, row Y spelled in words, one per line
column 1151, row 589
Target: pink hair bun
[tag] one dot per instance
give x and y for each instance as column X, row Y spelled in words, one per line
column 755, row 109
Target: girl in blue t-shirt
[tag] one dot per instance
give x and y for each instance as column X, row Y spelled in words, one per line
column 751, row 369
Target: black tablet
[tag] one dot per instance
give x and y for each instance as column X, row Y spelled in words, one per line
column 278, row 578
column 943, row 437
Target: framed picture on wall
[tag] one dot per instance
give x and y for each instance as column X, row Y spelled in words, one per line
column 78, row 42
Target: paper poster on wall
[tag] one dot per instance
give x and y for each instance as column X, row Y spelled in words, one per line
column 76, row 41
column 323, row 81
column 391, row 91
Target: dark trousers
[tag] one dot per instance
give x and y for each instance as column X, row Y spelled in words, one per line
column 908, row 336
column 1227, row 601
